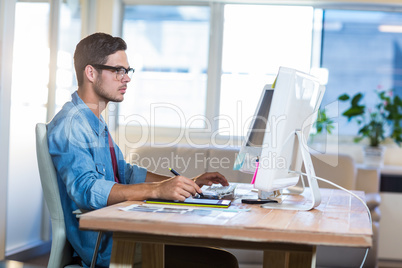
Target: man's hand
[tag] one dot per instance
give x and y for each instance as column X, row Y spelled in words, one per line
column 162, row 187
column 210, row 178
column 177, row 188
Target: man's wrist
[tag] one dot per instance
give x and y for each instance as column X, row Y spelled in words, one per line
column 154, row 190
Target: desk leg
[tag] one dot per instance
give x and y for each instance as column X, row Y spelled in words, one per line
column 290, row 259
column 153, row 255
column 123, row 252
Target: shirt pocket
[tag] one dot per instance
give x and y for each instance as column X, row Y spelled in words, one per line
column 100, row 168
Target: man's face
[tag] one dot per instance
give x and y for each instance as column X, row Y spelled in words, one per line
column 109, row 87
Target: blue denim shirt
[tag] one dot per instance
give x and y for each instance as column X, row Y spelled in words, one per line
column 78, row 145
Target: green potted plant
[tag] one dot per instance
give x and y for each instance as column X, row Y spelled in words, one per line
column 323, row 124
column 376, row 123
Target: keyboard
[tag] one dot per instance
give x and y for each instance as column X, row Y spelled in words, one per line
column 219, row 190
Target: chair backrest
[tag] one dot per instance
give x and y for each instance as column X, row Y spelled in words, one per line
column 61, row 251
column 338, row 168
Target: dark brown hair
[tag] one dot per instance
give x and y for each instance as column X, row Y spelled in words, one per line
column 95, row 49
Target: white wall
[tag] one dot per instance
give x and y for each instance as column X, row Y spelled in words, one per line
column 24, row 192
column 24, row 195
column 6, row 33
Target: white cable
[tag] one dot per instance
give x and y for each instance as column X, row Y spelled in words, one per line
column 349, row 192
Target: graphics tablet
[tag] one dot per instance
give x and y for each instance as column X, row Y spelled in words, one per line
column 219, row 203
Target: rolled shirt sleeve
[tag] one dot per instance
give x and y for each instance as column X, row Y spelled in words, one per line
column 132, row 174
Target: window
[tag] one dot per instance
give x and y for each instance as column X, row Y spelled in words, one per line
column 70, row 35
column 362, row 52
column 168, row 47
column 257, row 41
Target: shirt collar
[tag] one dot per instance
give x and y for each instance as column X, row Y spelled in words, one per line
column 97, row 124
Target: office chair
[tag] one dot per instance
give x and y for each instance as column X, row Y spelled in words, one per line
column 61, row 252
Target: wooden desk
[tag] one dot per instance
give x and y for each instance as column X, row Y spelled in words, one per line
column 288, row 238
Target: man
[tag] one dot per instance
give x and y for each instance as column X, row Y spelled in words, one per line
column 91, row 170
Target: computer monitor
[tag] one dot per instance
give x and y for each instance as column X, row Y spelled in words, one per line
column 278, row 137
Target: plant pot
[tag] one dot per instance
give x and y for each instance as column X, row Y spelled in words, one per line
column 373, row 156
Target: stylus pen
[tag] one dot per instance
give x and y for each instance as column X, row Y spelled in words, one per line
column 174, row 172
column 177, row 174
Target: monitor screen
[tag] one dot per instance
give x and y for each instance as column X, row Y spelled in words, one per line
column 251, row 149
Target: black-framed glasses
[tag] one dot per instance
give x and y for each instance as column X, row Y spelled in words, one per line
column 120, row 71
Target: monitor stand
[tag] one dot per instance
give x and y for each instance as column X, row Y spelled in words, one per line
column 295, row 189
column 312, row 182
